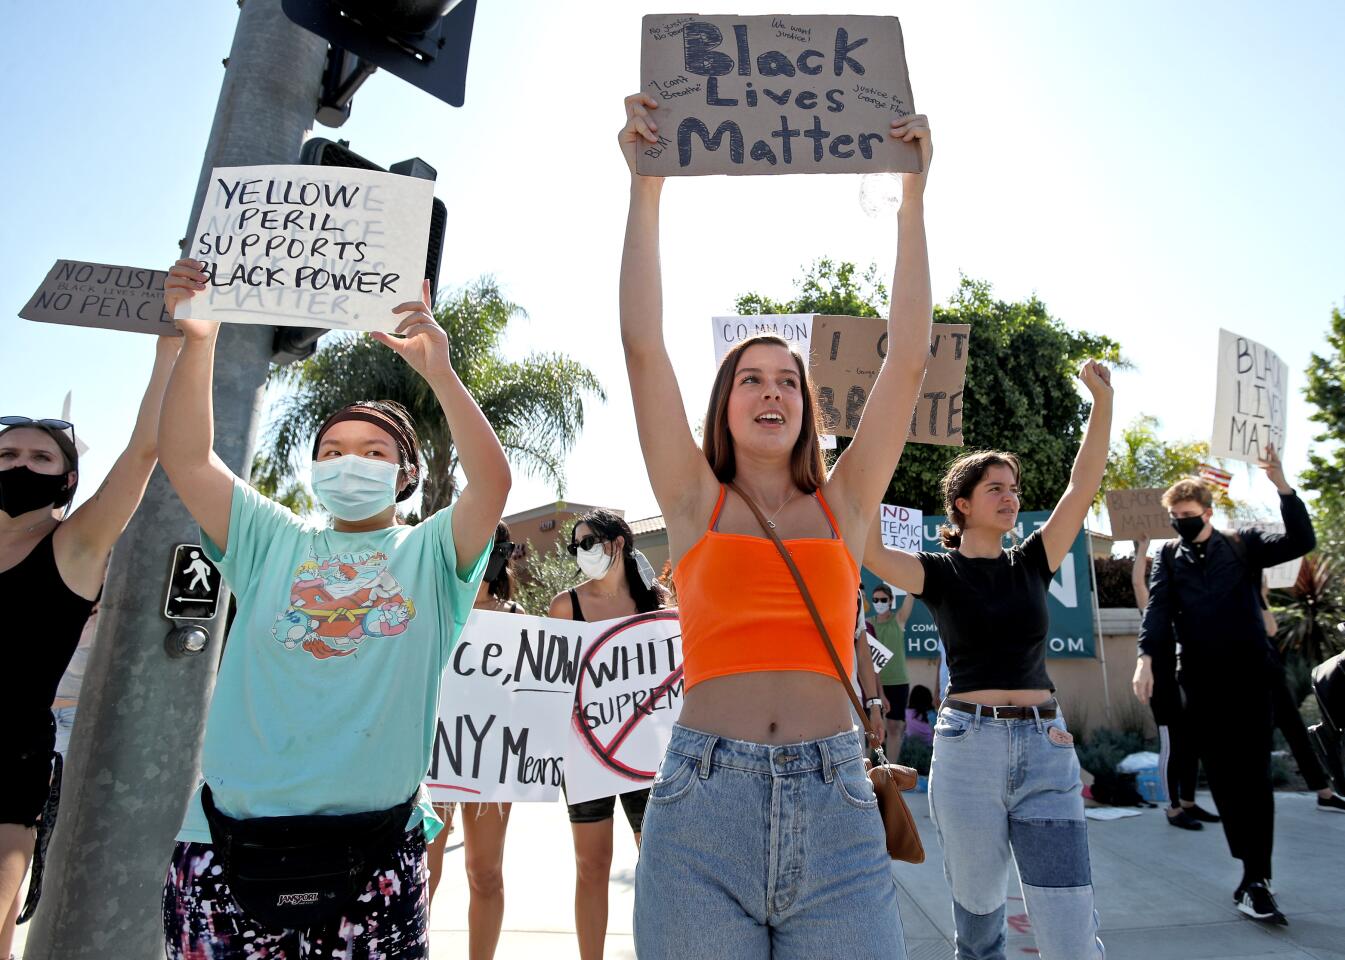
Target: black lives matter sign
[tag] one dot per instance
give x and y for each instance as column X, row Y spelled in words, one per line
column 775, row 94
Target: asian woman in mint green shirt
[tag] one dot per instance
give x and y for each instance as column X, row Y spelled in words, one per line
column 329, row 686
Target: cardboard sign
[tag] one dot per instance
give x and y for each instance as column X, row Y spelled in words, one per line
column 503, row 707
column 901, row 527
column 777, row 94
column 1249, row 403
column 103, row 296
column 1139, row 514
column 310, row 246
column 627, row 696
column 846, row 355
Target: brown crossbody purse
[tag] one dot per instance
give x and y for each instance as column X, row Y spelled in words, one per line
column 888, row 779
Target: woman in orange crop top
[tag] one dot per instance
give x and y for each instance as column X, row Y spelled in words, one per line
column 762, row 836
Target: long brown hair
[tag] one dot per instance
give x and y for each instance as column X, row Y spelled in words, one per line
column 805, row 461
column 963, row 475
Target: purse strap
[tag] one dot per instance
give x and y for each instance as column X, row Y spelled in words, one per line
column 841, row 675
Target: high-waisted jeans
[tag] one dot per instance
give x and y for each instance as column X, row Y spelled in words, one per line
column 1002, row 788
column 755, row 851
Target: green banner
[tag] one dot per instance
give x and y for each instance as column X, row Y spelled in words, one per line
column 1069, row 600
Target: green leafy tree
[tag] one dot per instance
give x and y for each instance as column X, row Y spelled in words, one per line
column 543, row 574
column 280, row 485
column 1021, row 369
column 1325, row 475
column 536, row 404
column 1142, row 459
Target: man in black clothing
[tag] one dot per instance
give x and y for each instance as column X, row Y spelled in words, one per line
column 1204, row 593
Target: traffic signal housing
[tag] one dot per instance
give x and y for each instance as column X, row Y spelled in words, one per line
column 425, row 42
column 292, row 344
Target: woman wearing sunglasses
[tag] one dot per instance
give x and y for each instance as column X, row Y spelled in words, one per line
column 763, row 837
column 55, row 563
column 483, row 824
column 620, row 583
column 324, row 713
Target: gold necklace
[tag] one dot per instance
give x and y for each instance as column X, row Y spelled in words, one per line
column 770, row 521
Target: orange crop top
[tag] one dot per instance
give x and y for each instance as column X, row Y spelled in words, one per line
column 741, row 611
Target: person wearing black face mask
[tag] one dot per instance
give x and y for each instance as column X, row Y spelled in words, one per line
column 1204, row 594
column 55, row 563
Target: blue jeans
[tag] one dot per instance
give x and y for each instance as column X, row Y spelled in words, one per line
column 1001, row 788
column 756, row 851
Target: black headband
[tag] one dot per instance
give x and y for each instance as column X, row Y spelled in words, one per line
column 405, row 443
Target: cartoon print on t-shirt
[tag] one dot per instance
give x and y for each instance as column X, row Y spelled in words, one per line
column 337, row 602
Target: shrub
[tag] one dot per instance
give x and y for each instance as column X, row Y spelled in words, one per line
column 916, row 753
column 1113, row 581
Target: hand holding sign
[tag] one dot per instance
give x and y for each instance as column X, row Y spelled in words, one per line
column 640, row 129
column 915, row 129
column 1270, row 463
column 185, row 280
column 420, row 340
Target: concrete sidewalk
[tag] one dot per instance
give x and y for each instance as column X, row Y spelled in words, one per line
column 1164, row 894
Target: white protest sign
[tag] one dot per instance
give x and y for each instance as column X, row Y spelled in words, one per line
column 1249, row 402
column 308, row 246
column 1282, row 576
column 794, row 328
column 628, row 694
column 880, row 654
column 902, row 527
column 503, row 709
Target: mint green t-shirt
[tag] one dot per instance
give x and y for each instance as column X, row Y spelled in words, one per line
column 328, row 693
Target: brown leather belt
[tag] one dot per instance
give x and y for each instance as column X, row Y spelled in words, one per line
column 1046, row 711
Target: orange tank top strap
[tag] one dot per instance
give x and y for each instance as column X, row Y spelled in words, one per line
column 831, row 519
column 719, row 507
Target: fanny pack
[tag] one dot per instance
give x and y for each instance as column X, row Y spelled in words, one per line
column 292, row 873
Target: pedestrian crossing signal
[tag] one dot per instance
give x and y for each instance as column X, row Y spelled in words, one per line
column 194, row 585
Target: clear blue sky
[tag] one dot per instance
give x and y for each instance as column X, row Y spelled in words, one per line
column 1152, row 171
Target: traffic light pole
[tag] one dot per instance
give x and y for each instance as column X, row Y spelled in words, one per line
column 134, row 758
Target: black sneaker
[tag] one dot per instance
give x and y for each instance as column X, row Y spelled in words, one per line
column 1184, row 820
column 1258, row 903
column 1198, row 812
column 1332, row 804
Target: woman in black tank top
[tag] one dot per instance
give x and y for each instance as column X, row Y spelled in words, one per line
column 620, row 583
column 56, row 566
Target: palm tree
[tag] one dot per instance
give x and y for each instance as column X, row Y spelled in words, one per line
column 536, row 405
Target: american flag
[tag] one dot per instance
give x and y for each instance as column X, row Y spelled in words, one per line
column 1215, row 476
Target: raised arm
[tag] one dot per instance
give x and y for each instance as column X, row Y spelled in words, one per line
column 1138, row 581
column 864, row 471
column 1298, row 539
column 1067, row 519
column 423, row 343
column 682, row 481
column 187, row 423
column 84, row 541
column 897, row 567
column 904, row 611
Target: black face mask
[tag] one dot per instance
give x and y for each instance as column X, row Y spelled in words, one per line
column 1188, row 528
column 22, row 490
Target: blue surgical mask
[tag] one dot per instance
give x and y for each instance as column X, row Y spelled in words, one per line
column 355, row 488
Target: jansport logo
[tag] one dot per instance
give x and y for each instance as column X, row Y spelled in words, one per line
column 296, row 899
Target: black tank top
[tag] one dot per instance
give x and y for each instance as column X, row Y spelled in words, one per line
column 46, row 618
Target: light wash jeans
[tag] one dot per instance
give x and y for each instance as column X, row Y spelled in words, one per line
column 1001, row 788
column 65, row 723
column 754, row 851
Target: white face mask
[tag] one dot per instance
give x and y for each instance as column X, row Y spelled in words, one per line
column 353, row 487
column 881, row 606
column 595, row 562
